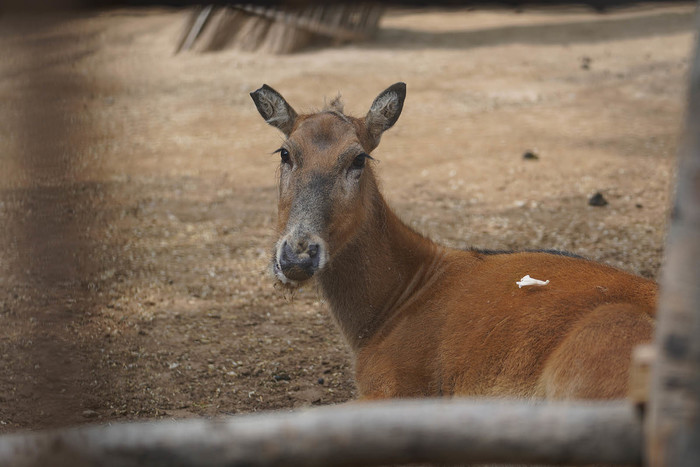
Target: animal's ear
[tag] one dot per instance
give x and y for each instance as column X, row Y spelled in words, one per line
column 274, row 109
column 384, row 112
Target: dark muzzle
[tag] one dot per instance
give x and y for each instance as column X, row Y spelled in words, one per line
column 299, row 264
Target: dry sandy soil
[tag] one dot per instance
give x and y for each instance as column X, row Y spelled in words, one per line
column 138, row 189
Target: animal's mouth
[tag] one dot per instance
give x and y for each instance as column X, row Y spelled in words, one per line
column 296, row 261
column 281, row 277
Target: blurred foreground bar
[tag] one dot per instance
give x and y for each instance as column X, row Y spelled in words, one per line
column 357, row 434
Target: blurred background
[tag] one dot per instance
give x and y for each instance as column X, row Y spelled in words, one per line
column 138, row 188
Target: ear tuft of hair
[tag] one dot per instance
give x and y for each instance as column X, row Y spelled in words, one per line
column 336, row 104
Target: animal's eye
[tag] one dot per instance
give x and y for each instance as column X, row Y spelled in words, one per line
column 360, row 160
column 284, row 155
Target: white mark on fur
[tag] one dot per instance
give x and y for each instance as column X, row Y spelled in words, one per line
column 527, row 280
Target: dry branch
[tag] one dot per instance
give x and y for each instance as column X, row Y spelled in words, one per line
column 251, row 27
column 445, row 431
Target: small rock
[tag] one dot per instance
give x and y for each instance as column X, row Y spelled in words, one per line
column 597, row 200
column 310, row 396
column 586, row 63
column 282, row 377
column 639, row 205
column 321, row 381
column 89, row 414
column 530, row 155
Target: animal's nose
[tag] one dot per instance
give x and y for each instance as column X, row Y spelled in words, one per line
column 313, row 250
column 300, row 263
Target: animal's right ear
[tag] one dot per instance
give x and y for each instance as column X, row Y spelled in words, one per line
column 274, row 109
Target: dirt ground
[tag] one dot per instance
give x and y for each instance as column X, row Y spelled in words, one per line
column 138, row 189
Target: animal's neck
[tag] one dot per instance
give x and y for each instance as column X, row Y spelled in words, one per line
column 380, row 271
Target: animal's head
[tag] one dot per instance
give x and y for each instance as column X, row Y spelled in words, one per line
column 326, row 184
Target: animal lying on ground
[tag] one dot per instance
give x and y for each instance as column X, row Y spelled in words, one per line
column 426, row 320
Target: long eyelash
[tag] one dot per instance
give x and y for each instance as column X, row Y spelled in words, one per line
column 276, row 151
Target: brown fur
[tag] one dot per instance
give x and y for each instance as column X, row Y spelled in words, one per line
column 425, row 320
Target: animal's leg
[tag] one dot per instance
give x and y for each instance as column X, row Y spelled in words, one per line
column 593, row 360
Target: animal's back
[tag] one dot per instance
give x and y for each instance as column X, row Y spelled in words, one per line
column 476, row 333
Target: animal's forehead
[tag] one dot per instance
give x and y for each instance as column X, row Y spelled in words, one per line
column 323, row 131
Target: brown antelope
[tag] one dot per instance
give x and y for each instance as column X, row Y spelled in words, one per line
column 426, row 320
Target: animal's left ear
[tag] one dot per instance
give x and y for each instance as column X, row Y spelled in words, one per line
column 274, row 109
column 384, row 112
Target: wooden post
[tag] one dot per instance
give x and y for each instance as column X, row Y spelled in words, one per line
column 673, row 426
column 392, row 432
